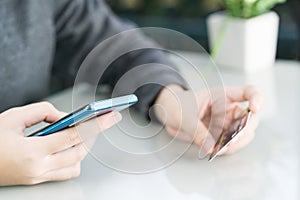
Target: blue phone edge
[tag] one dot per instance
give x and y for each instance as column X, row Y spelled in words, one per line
column 86, row 111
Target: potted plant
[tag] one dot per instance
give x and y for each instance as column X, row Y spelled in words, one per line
column 244, row 36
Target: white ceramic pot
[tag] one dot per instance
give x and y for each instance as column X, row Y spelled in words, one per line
column 245, row 44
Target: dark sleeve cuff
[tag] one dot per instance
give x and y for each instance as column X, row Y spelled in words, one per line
column 148, row 94
column 145, row 73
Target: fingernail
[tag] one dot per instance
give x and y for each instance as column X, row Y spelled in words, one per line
column 117, row 116
column 209, row 144
column 63, row 113
column 202, row 153
column 237, row 114
column 207, row 147
column 256, row 106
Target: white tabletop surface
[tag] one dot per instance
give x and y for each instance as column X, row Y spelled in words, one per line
column 266, row 169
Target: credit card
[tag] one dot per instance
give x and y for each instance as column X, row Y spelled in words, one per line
column 235, row 128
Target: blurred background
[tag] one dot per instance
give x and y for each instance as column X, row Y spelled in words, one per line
column 189, row 17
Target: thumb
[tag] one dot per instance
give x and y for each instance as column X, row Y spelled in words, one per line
column 204, row 140
column 35, row 113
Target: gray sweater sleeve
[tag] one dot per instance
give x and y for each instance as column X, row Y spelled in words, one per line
column 129, row 63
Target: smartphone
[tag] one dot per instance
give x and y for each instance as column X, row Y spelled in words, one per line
column 87, row 112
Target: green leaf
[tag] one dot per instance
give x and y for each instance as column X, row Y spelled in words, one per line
column 249, row 8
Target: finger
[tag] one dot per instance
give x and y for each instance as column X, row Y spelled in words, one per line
column 206, row 143
column 235, row 146
column 204, row 139
column 62, row 174
column 233, row 112
column 180, row 135
column 245, row 137
column 109, row 121
column 90, row 130
column 69, row 137
column 66, row 158
column 35, row 113
column 246, row 93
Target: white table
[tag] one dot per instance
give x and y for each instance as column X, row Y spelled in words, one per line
column 266, row 169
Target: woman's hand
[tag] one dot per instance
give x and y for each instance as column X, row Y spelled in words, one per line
column 33, row 160
column 196, row 117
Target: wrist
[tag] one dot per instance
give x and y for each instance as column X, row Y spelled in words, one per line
column 167, row 100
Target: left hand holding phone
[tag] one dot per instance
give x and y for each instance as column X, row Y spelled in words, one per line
column 33, row 160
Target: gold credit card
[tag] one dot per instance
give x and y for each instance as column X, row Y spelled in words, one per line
column 235, row 128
